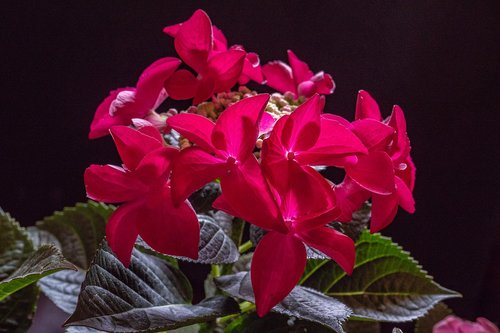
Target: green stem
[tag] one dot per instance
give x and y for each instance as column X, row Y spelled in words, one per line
column 215, row 271
column 244, row 308
column 245, row 246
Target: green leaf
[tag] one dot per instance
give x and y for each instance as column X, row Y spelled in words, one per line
column 427, row 322
column 75, row 231
column 15, row 247
column 302, row 303
column 79, row 230
column 149, row 296
column 63, row 287
column 362, row 326
column 16, row 311
column 215, row 247
column 275, row 323
column 45, row 261
column 387, row 283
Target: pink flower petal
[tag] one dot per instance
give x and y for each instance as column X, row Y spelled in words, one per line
column 324, row 83
column 334, row 244
column 244, row 188
column 367, row 107
column 225, row 68
column 487, row 325
column 384, row 209
column 266, row 123
column 151, row 131
column 279, row 76
column 406, row 171
column 193, row 40
column 193, row 168
column 306, row 193
column 194, row 127
column 400, row 147
column 277, row 265
column 405, row 197
column 237, row 128
column 220, row 41
column 204, row 90
column 104, row 118
column 334, row 141
column 302, row 127
column 251, row 69
column 121, row 230
column 373, row 172
column 374, row 134
column 108, row 183
column 221, row 203
column 132, row 145
column 168, row 228
column 300, row 70
column 152, row 80
column 172, row 30
column 350, row 197
column 155, row 166
column 181, row 85
column 344, row 122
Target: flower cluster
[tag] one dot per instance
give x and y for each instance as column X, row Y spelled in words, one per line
column 263, row 149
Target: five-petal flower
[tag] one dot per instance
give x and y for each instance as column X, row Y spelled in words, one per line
column 142, row 185
column 204, row 48
column 297, row 78
column 124, row 104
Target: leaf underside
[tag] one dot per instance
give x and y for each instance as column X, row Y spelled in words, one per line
column 149, row 296
column 216, row 247
column 16, row 311
column 302, row 303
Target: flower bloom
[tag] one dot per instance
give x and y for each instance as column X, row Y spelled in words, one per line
column 305, row 206
column 203, row 47
column 387, row 173
column 452, row 324
column 223, row 150
column 297, row 78
column 307, row 138
column 124, row 104
column 142, row 185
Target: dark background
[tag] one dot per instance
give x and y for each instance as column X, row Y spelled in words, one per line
column 436, row 59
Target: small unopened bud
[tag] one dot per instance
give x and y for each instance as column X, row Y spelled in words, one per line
column 258, row 144
column 306, row 88
column 157, row 120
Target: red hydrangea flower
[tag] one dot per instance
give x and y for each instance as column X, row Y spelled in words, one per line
column 124, row 104
column 204, row 48
column 306, row 137
column 142, row 185
column 297, row 78
column 389, row 148
column 305, row 206
column 224, row 150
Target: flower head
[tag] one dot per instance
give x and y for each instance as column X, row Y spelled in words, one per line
column 297, row 78
column 142, row 185
column 204, row 48
column 124, row 104
column 386, row 173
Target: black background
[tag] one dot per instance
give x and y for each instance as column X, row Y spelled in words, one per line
column 436, row 59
